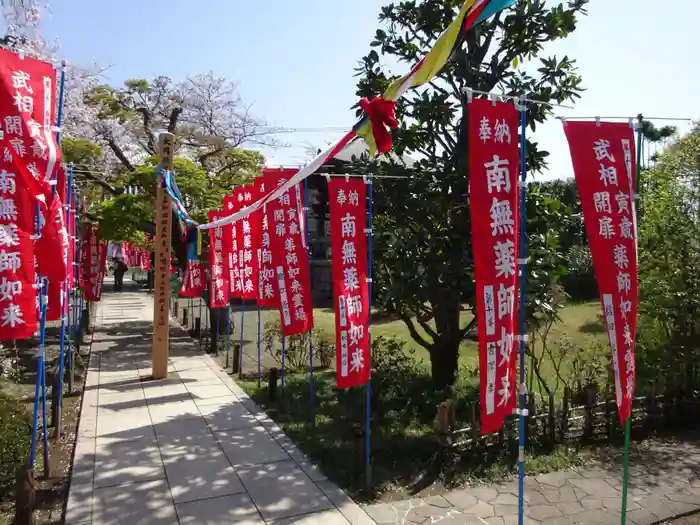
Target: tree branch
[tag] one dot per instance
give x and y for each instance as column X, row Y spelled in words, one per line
column 119, row 154
column 414, row 333
column 172, row 121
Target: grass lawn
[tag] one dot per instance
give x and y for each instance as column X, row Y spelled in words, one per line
column 406, row 457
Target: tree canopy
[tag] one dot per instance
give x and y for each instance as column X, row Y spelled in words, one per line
column 423, row 240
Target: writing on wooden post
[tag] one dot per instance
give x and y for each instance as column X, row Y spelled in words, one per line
column 161, row 302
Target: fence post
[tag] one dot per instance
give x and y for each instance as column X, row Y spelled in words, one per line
column 589, row 413
column 185, row 319
column 551, row 421
column 564, row 429
column 25, row 491
column 475, row 422
column 531, row 426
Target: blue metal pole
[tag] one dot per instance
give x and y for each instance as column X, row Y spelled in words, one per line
column 284, row 352
column 523, row 279
column 259, row 370
column 37, row 387
column 240, row 361
column 312, row 395
column 65, row 305
column 368, row 388
column 42, row 341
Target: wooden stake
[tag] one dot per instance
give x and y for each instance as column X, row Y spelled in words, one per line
column 161, row 297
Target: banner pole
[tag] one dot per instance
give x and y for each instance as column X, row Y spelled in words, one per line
column 258, row 345
column 368, row 387
column 312, row 395
column 228, row 333
column 240, row 353
column 628, row 421
column 522, row 263
column 43, row 306
column 37, row 387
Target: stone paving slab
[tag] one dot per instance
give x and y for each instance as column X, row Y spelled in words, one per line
column 664, row 483
column 189, row 449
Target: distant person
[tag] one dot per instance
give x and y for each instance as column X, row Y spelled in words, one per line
column 120, row 269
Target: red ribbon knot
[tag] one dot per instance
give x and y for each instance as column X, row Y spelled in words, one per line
column 381, row 115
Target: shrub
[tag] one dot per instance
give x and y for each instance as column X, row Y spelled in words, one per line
column 15, row 438
column 297, row 347
column 580, row 281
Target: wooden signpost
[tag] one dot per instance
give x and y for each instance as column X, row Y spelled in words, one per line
column 161, row 296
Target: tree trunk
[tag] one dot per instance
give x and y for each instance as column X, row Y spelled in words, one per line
column 444, row 363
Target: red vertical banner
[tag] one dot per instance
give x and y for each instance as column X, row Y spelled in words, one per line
column 248, row 235
column 289, row 257
column 266, row 274
column 493, row 203
column 603, row 156
column 218, row 279
column 95, row 267
column 193, row 280
column 348, row 210
column 231, row 206
column 27, row 108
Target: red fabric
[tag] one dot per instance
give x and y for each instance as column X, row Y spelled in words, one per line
column 604, row 164
column 248, row 237
column 493, row 203
column 267, row 297
column 348, row 211
column 381, row 117
column 95, row 268
column 231, row 206
column 52, row 247
column 29, row 141
column 218, row 278
column 289, row 256
column 193, row 281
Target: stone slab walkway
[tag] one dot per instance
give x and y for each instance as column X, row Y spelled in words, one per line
column 191, row 449
column 664, row 483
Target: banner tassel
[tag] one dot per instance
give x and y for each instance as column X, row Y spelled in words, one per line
column 368, row 387
column 312, row 395
column 523, row 337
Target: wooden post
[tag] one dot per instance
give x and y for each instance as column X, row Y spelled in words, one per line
column 25, row 491
column 161, row 297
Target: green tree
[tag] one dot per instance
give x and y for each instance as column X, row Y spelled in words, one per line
column 423, row 252
column 669, row 260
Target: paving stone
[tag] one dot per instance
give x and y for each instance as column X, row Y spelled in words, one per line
column 595, row 487
column 505, row 499
column 462, row 499
column 236, row 508
column 383, row 513
column 136, row 503
column 597, row 517
column 193, row 477
column 569, row 508
column 592, row 503
column 328, row 517
column 542, row 512
column 487, row 494
column 616, row 504
column 642, row 517
column 554, row 479
column 505, row 510
column 481, row 509
column 282, row 490
column 437, row 501
column 250, row 446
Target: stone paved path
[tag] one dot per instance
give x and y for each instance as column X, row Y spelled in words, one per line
column 191, row 449
column 664, row 482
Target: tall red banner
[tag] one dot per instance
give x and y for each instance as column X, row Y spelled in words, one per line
column 266, row 275
column 289, row 256
column 231, row 206
column 95, row 267
column 603, row 156
column 218, row 279
column 27, row 109
column 248, row 235
column 493, row 203
column 348, row 209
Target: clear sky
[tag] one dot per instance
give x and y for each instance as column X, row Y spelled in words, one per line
column 294, row 60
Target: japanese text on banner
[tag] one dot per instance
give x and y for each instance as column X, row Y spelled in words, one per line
column 218, row 279
column 348, row 211
column 194, row 279
column 266, row 275
column 248, row 235
column 289, row 257
column 231, row 235
column 493, row 202
column 95, row 267
column 604, row 165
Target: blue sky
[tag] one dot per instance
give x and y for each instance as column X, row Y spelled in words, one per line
column 294, row 60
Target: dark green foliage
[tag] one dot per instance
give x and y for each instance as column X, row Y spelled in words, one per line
column 15, row 439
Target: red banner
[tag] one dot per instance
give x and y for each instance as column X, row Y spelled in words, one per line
column 27, row 108
column 231, row 206
column 289, row 256
column 193, row 280
column 248, row 235
column 348, row 210
column 604, row 164
column 95, row 268
column 51, row 249
column 218, row 279
column 493, row 203
column 266, row 290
